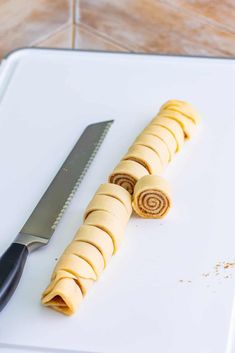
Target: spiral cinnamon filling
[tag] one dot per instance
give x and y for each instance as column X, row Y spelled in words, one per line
column 124, row 180
column 151, row 197
column 153, row 203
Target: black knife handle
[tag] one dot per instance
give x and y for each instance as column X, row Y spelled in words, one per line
column 11, row 267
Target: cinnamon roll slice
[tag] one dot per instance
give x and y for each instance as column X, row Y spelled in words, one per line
column 151, row 198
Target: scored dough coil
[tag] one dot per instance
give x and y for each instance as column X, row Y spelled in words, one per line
column 173, row 126
column 116, row 192
column 108, row 204
column 146, row 157
column 151, row 197
column 97, row 237
column 186, row 124
column 156, row 144
column 87, row 255
column 182, row 107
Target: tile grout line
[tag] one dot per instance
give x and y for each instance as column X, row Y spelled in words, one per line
column 201, row 17
column 144, row 48
column 103, row 36
column 52, row 34
column 73, row 32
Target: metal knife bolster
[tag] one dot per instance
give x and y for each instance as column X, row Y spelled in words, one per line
column 32, row 242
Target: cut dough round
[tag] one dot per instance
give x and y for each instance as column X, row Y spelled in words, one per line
column 65, row 296
column 75, row 265
column 151, row 198
column 173, row 127
column 187, row 125
column 146, row 157
column 107, row 222
column 97, row 237
column 156, row 144
column 126, row 174
column 165, row 135
column 87, row 252
column 183, row 108
column 117, row 192
column 108, row 204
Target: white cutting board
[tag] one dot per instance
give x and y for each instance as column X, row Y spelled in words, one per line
column 161, row 292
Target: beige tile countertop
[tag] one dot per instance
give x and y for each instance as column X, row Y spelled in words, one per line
column 194, row 27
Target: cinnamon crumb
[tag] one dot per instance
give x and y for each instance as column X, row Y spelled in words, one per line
column 206, row 274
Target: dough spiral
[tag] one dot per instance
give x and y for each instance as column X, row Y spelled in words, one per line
column 157, row 144
column 151, row 197
column 84, row 259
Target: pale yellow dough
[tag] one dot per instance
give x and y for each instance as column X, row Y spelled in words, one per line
column 117, row 192
column 107, row 222
column 87, row 252
column 75, row 265
column 151, row 197
column 97, row 237
column 146, row 157
column 108, row 212
column 187, row 125
column 156, row 144
column 165, row 135
column 183, row 108
column 94, row 244
column 65, row 297
column 63, row 293
column 83, row 283
column 126, row 174
column 108, row 204
column 173, row 126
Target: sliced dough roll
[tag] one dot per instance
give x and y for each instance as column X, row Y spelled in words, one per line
column 97, row 237
column 65, row 296
column 172, row 126
column 156, row 144
column 126, row 174
column 146, row 157
column 151, row 198
column 186, row 124
column 117, row 192
column 75, row 265
column 110, row 224
column 165, row 135
column 108, row 204
column 183, row 108
column 87, row 252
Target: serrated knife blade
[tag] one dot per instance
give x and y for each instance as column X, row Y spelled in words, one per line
column 42, row 222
